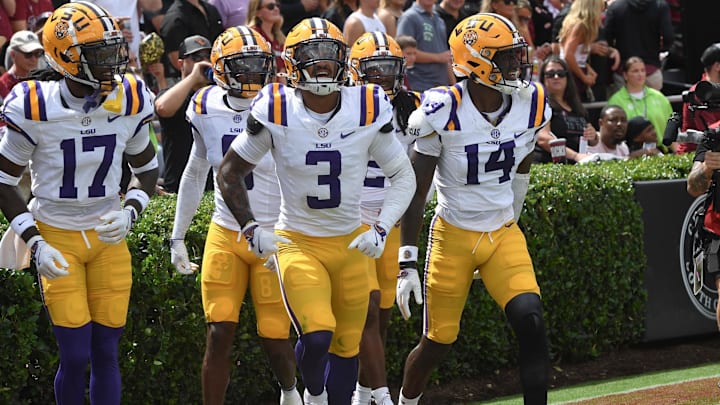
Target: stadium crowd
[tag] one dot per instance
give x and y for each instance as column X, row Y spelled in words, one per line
column 367, row 108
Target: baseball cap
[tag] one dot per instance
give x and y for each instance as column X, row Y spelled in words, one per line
column 711, row 55
column 25, row 41
column 193, row 44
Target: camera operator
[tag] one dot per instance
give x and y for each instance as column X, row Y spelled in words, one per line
column 700, row 181
column 701, row 119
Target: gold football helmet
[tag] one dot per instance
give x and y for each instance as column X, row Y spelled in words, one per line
column 84, row 43
column 313, row 47
column 377, row 58
column 488, row 49
column 242, row 61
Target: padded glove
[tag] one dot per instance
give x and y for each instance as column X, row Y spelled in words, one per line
column 116, row 225
column 47, row 258
column 261, row 242
column 180, row 259
column 371, row 242
column 408, row 282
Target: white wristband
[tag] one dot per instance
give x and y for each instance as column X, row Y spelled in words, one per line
column 5, row 178
column 407, row 253
column 22, row 222
column 139, row 196
column 152, row 164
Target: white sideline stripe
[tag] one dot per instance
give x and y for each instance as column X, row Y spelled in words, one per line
column 638, row 389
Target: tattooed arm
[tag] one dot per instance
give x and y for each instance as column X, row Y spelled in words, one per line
column 700, row 176
column 231, row 181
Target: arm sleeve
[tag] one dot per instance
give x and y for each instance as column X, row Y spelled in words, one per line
column 190, row 191
column 519, row 186
column 252, row 148
column 391, row 156
column 16, row 147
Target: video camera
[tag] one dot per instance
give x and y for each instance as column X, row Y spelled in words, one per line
column 706, row 96
column 710, row 137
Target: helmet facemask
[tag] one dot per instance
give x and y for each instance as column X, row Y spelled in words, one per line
column 320, row 63
column 101, row 65
column 508, row 64
column 247, row 73
column 384, row 71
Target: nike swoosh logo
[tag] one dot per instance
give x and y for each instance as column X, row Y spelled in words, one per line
column 343, row 136
column 518, row 135
column 112, row 118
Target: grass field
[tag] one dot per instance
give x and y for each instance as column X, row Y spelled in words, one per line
column 692, row 386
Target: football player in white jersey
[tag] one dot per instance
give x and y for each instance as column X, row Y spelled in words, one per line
column 242, row 63
column 376, row 58
column 73, row 127
column 476, row 138
column 321, row 135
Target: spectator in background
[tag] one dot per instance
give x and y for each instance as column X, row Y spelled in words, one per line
column 363, row 20
column 264, row 17
column 25, row 50
column 569, row 117
column 6, row 30
column 701, row 119
column 640, row 28
column 389, row 13
column 452, row 12
column 505, row 8
column 339, row 11
column 433, row 65
column 27, row 13
column 542, row 22
column 554, row 6
column 641, row 138
column 295, row 11
column 637, row 99
column 128, row 14
column 232, row 12
column 184, row 19
column 408, row 46
column 613, row 129
column 523, row 21
column 579, row 30
column 170, row 106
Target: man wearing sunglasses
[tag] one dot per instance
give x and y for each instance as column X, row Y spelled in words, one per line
column 25, row 51
column 171, row 104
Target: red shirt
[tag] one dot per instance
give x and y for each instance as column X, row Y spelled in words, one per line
column 30, row 9
column 5, row 28
column 699, row 120
column 7, row 81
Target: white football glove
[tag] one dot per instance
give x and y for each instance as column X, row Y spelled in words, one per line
column 371, row 242
column 180, row 259
column 408, row 282
column 116, row 225
column 261, row 242
column 271, row 264
column 46, row 259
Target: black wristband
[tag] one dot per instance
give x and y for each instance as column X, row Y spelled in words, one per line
column 408, row 265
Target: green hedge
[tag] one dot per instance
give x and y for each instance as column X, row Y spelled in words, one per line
column 584, row 233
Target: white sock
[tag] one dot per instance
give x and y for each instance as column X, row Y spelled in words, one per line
column 379, row 393
column 289, row 389
column 362, row 394
column 406, row 401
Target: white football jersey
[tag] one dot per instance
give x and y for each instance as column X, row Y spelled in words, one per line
column 476, row 159
column 376, row 183
column 75, row 158
column 321, row 166
column 215, row 125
